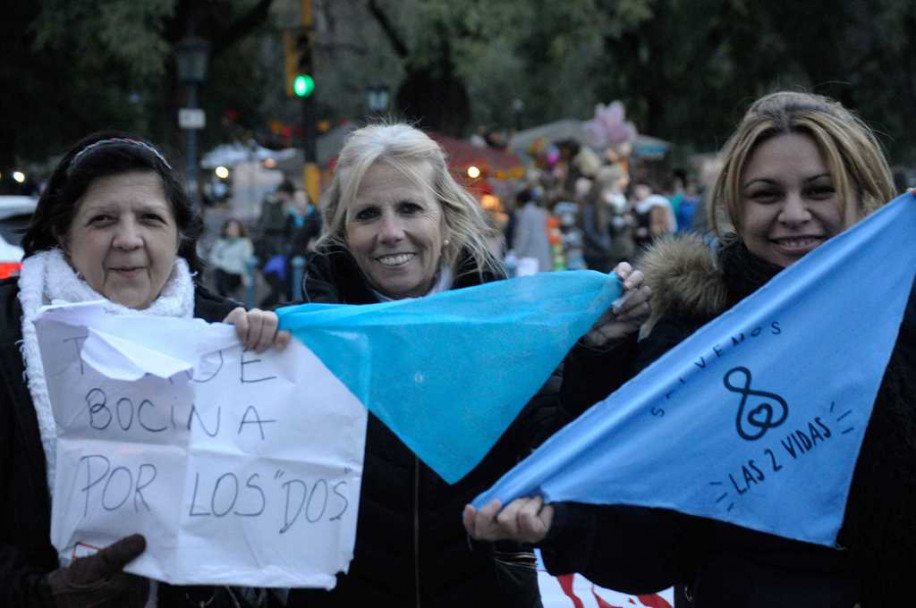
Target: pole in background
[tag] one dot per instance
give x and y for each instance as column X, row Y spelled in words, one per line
column 518, row 106
column 192, row 55
column 191, row 138
column 311, row 177
column 300, row 82
column 298, row 265
column 250, row 265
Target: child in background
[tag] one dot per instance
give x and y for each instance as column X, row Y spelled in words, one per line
column 230, row 252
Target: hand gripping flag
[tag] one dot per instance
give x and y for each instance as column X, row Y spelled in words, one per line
column 449, row 372
column 758, row 417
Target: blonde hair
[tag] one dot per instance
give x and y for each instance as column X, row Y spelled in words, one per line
column 852, row 153
column 407, row 149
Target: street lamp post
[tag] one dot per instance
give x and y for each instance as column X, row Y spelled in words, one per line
column 192, row 55
column 518, row 105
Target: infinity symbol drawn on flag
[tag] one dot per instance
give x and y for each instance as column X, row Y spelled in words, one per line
column 760, row 417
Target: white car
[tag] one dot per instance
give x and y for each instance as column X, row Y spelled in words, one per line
column 10, row 259
column 14, row 215
column 16, row 205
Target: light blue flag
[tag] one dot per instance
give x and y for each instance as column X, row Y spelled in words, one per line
column 758, row 417
column 449, row 372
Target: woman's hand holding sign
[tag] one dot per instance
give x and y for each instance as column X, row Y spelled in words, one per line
column 257, row 329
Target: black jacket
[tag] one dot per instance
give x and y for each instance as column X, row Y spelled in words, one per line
column 411, row 548
column 26, row 553
column 641, row 550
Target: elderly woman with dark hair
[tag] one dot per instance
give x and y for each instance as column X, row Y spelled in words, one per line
column 113, row 224
column 397, row 225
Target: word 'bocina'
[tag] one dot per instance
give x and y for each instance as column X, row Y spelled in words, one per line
column 125, row 414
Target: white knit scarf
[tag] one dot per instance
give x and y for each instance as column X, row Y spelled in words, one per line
column 48, row 278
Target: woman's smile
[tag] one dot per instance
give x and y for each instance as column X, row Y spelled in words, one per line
column 797, row 245
column 395, row 259
column 127, row 271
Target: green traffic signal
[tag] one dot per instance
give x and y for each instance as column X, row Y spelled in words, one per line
column 303, row 85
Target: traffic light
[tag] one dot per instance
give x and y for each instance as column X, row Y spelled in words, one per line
column 303, row 85
column 299, row 80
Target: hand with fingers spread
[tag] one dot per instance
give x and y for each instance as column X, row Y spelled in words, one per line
column 98, row 581
column 626, row 314
column 257, row 329
column 525, row 520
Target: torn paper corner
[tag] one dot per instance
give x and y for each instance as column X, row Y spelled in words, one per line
column 120, row 348
column 121, row 359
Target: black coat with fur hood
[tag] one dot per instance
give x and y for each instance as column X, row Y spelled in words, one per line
column 641, row 549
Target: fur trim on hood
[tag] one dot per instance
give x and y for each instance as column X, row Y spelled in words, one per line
column 685, row 279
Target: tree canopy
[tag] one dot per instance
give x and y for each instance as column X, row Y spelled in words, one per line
column 685, row 69
column 74, row 66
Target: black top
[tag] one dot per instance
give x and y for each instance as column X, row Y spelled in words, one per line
column 411, row 548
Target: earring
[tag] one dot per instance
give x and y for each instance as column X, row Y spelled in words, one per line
column 445, row 242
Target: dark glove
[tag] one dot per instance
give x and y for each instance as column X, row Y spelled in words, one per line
column 97, row 581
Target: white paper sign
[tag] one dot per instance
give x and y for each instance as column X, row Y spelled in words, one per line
column 238, row 468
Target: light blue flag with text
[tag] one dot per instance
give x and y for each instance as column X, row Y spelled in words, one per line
column 757, row 418
column 449, row 372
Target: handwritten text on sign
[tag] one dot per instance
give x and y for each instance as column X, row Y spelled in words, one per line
column 243, row 468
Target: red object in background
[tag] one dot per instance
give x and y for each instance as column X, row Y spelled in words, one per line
column 566, row 583
column 654, row 601
column 554, row 236
column 8, row 269
column 569, row 596
column 463, row 154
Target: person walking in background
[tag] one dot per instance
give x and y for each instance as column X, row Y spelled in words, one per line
column 305, row 225
column 229, row 258
column 799, row 170
column 687, row 210
column 596, row 229
column 606, row 225
column 653, row 216
column 531, row 230
column 273, row 227
column 272, row 247
column 675, row 191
